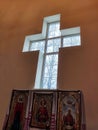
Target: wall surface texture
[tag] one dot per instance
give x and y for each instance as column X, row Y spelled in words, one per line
column 78, row 66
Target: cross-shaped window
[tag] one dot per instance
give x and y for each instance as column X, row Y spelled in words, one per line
column 49, row 42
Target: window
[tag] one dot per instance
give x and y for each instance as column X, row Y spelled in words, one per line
column 49, row 43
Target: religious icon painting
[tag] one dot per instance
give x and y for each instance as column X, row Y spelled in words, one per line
column 17, row 110
column 69, row 110
column 41, row 110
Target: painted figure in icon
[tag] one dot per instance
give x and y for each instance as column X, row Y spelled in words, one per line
column 42, row 113
column 18, row 112
column 68, row 121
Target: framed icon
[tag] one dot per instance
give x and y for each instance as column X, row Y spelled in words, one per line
column 69, row 111
column 17, row 110
column 41, row 110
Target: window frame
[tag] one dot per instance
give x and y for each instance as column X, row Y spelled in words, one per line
column 43, row 36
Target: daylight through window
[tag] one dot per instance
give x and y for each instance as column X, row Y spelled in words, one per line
column 49, row 46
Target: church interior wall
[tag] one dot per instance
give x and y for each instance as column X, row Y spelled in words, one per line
column 78, row 66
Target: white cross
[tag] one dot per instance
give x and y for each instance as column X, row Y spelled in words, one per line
column 43, row 36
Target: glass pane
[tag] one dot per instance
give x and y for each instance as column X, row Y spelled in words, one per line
column 51, row 60
column 38, row 45
column 53, row 70
column 50, row 71
column 71, row 41
column 53, row 45
column 53, row 30
column 49, row 83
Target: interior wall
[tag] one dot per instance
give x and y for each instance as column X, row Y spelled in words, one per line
column 77, row 66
